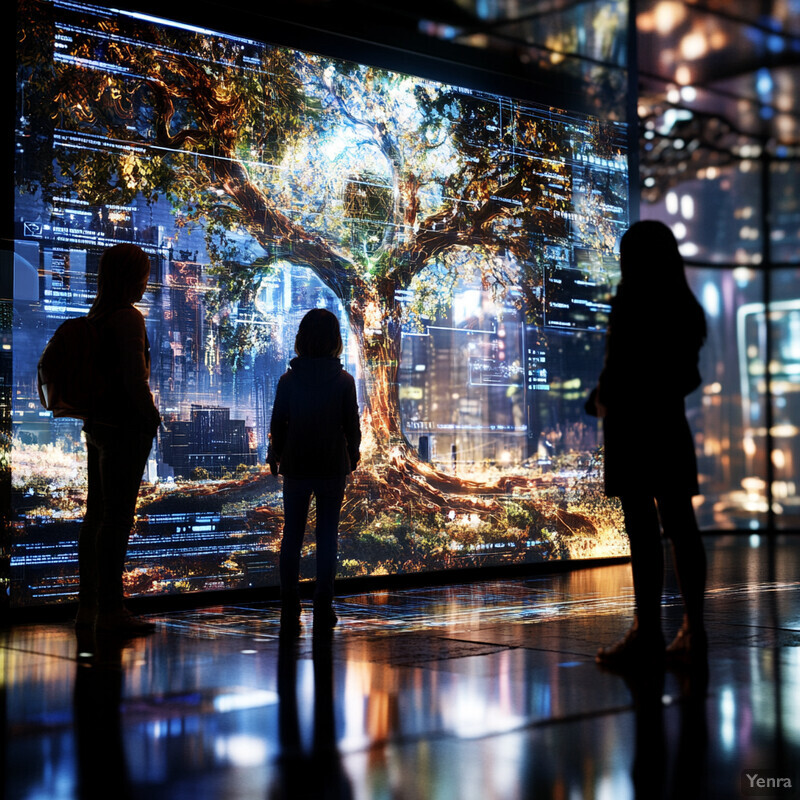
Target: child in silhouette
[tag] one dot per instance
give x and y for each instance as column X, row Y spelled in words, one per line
column 315, row 437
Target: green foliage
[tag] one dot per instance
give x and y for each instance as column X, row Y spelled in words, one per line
column 375, row 546
column 199, row 474
column 397, row 542
column 351, row 568
column 432, row 291
column 524, row 516
column 242, row 341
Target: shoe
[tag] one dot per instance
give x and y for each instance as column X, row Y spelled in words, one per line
column 688, row 648
column 324, row 617
column 123, row 623
column 634, row 649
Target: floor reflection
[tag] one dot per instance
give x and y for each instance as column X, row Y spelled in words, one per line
column 315, row 770
column 652, row 774
column 487, row 690
column 101, row 769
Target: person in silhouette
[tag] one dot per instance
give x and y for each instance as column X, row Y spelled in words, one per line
column 119, row 434
column 315, row 437
column 656, row 329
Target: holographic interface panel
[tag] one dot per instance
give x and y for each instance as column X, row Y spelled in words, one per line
column 467, row 241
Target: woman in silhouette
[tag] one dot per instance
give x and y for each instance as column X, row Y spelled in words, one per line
column 655, row 332
column 119, row 434
column 315, row 438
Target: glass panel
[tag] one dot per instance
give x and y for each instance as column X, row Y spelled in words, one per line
column 516, row 9
column 727, row 413
column 727, row 115
column 785, row 385
column 587, row 41
column 591, row 30
column 759, row 101
column 785, row 180
column 715, row 216
column 603, row 87
column 703, row 45
column 402, row 204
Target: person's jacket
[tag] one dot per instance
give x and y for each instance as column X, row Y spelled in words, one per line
column 651, row 359
column 124, row 359
column 315, row 430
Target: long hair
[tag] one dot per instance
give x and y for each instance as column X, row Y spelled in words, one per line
column 119, row 277
column 654, row 277
column 318, row 335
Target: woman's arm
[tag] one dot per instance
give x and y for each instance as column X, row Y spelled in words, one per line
column 351, row 423
column 134, row 359
column 278, row 425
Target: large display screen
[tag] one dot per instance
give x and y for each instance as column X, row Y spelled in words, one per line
column 467, row 242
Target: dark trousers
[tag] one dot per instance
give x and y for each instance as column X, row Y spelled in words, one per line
column 329, row 493
column 116, row 459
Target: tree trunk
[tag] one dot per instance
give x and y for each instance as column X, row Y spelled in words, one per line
column 375, row 320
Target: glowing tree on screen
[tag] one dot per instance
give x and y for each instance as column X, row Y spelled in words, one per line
column 374, row 180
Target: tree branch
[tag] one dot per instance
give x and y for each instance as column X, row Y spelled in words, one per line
column 277, row 233
column 165, row 111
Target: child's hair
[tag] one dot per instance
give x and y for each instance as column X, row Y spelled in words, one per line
column 318, row 335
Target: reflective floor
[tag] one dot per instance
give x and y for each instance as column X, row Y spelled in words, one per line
column 487, row 690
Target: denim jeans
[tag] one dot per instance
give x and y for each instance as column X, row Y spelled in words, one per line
column 116, row 458
column 329, row 493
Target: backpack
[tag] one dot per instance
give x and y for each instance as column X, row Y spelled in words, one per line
column 68, row 377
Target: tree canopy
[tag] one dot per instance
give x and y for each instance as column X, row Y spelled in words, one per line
column 377, row 181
